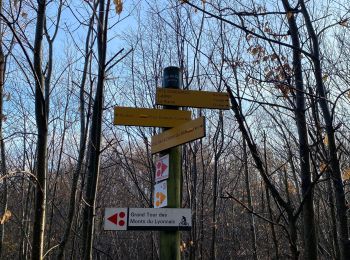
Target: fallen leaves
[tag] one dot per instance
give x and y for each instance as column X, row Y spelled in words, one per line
column 325, row 140
column 346, row 174
column 6, row 217
column 323, row 167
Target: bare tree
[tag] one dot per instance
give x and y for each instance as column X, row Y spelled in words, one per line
column 343, row 229
column 42, row 126
column 83, row 136
column 3, row 167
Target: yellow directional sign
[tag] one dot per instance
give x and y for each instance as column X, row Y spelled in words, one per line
column 184, row 133
column 150, row 117
column 192, row 98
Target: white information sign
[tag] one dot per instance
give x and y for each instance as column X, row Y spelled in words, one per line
column 116, row 218
column 160, row 195
column 155, row 219
column 162, row 168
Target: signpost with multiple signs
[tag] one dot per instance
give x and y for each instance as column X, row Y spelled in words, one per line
column 167, row 188
column 170, row 240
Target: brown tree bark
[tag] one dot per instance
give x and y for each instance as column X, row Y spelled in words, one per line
column 3, row 167
column 41, row 121
column 310, row 251
column 249, row 200
column 218, row 147
column 95, row 134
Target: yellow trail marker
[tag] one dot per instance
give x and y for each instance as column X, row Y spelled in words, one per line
column 192, row 98
column 150, row 117
column 184, row 133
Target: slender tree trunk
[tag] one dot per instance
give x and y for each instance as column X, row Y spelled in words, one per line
column 293, row 232
column 304, row 153
column 201, row 220
column 41, row 121
column 272, row 227
column 214, row 224
column 57, row 173
column 95, row 135
column 263, row 173
column 343, row 227
column 82, row 149
column 249, row 199
column 335, row 243
column 3, row 167
column 269, row 207
column 330, row 190
column 293, row 237
column 218, row 146
column 26, row 200
column 194, row 173
column 26, row 224
column 47, row 81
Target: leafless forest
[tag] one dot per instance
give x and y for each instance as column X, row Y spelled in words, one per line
column 269, row 181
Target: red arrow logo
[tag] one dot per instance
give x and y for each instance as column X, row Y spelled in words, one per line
column 161, row 167
column 114, row 219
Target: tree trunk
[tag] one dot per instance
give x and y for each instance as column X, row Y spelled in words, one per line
column 336, row 250
column 249, row 199
column 263, row 173
column 95, row 135
column 201, row 220
column 41, row 121
column 3, row 167
column 272, row 227
column 330, row 130
column 214, row 224
column 82, row 149
column 218, row 147
column 194, row 174
column 306, row 187
column 293, row 237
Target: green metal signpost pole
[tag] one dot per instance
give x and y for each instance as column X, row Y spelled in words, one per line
column 170, row 240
